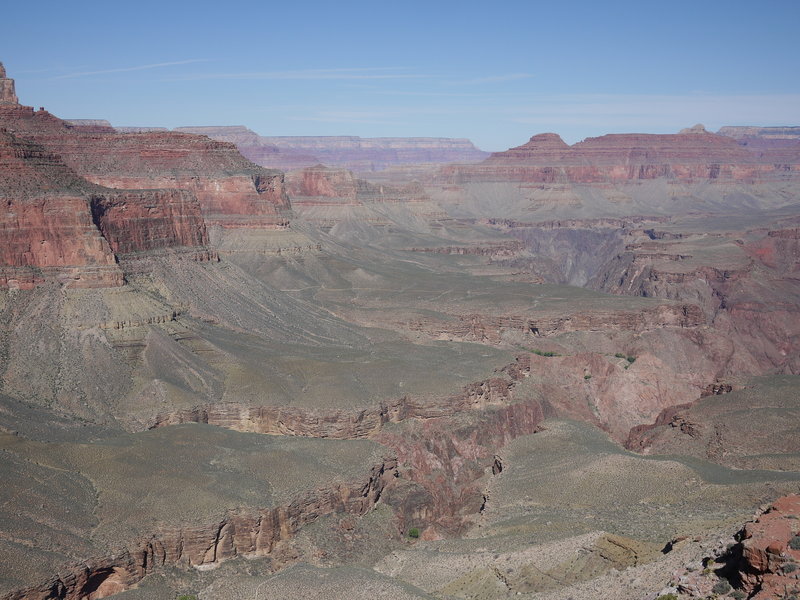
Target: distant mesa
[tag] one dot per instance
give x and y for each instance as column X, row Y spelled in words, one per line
column 772, row 133
column 349, row 152
column 139, row 129
column 693, row 154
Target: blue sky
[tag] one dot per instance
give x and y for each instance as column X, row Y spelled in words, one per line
column 496, row 74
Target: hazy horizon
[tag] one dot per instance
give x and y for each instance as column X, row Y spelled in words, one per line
column 450, row 70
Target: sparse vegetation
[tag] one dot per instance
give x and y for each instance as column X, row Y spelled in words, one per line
column 667, row 597
column 413, row 533
column 722, row 587
column 738, row 595
column 794, row 543
column 544, row 353
column 187, row 597
column 790, row 567
column 630, row 359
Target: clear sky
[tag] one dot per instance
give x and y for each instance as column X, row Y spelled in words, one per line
column 496, row 73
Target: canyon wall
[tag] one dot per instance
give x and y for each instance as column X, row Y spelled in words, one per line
column 350, row 152
column 692, row 155
column 46, row 229
column 79, row 193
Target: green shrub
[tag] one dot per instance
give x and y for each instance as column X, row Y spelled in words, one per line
column 667, row 597
column 187, row 597
column 587, row 377
column 413, row 532
column 738, row 595
column 621, row 355
column 789, row 567
column 721, row 587
column 794, row 543
column 543, row 353
column 630, row 359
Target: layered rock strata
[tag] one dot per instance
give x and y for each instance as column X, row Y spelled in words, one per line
column 693, row 155
column 46, row 229
column 238, row 533
column 233, row 192
column 143, row 220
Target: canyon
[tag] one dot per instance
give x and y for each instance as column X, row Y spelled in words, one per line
column 402, row 367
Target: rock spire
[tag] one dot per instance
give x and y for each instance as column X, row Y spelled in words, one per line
column 7, row 95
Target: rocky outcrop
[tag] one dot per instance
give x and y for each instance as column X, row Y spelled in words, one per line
column 495, row 250
column 58, row 225
column 239, row 533
column 769, row 551
column 342, row 424
column 7, row 93
column 493, row 329
column 443, row 464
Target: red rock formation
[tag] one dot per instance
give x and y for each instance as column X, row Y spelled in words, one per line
column 7, row 94
column 766, row 551
column 142, row 220
column 322, row 182
column 52, row 214
column 232, row 191
column 46, row 227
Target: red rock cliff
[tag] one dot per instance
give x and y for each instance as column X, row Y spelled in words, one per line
column 46, row 227
column 141, row 220
column 231, row 190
